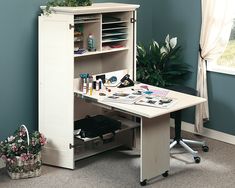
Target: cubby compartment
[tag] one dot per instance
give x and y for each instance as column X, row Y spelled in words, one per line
column 116, row 30
column 85, row 25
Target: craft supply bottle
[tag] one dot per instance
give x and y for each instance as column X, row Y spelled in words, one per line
column 100, row 84
column 90, row 88
column 97, row 86
column 84, row 90
column 90, row 85
column 91, row 43
column 93, row 84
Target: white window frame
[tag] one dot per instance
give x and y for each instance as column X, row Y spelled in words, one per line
column 213, row 67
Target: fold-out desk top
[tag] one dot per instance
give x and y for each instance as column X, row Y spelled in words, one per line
column 183, row 101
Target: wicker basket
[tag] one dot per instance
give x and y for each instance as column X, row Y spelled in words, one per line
column 29, row 168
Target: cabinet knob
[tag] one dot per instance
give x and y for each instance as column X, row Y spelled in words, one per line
column 133, row 20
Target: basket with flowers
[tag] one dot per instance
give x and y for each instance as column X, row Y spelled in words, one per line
column 22, row 153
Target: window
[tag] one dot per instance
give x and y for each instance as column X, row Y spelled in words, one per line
column 226, row 63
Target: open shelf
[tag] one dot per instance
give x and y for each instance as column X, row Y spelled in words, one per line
column 115, row 22
column 114, row 28
column 86, row 147
column 87, row 21
column 113, row 40
column 126, row 125
column 83, row 153
column 100, row 52
column 109, row 34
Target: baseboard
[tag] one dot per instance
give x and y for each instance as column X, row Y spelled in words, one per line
column 209, row 133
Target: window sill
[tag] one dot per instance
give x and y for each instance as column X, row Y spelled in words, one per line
column 220, row 69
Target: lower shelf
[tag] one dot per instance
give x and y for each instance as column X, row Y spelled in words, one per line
column 86, row 147
column 91, row 152
column 126, row 125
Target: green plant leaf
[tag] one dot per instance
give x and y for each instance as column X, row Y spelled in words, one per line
column 160, row 68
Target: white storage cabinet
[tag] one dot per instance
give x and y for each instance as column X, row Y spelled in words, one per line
column 61, row 34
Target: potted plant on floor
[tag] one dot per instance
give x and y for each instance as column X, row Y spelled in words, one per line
column 22, row 153
column 160, row 65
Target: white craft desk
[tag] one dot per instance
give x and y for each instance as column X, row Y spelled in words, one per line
column 155, row 128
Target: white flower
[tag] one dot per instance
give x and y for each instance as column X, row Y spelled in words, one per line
column 20, row 140
column 11, row 138
column 156, row 44
column 167, row 41
column 173, row 42
column 163, row 50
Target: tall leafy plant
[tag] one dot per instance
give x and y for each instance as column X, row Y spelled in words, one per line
column 161, row 65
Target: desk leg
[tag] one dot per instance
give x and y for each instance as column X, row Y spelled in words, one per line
column 155, row 140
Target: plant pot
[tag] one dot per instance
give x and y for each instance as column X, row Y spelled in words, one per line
column 19, row 169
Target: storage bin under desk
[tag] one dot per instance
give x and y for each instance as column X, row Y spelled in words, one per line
column 85, row 147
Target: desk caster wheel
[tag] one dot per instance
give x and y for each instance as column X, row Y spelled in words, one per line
column 205, row 148
column 197, row 159
column 143, row 183
column 165, row 174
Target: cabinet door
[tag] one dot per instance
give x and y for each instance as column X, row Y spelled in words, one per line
column 56, row 71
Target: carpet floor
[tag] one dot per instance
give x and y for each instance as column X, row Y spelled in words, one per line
column 120, row 168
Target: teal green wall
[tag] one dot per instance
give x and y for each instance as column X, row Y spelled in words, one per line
column 221, row 102
column 156, row 18
column 18, row 64
column 182, row 18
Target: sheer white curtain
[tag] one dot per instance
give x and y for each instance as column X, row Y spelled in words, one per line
column 217, row 18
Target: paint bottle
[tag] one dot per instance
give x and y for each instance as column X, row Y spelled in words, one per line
column 84, row 90
column 91, row 43
column 100, row 84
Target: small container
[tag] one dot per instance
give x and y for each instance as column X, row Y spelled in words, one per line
column 100, row 84
column 84, row 86
column 94, row 84
column 90, row 88
column 91, row 43
column 80, row 84
column 97, row 86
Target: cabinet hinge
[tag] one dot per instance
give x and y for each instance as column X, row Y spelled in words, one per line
column 133, row 20
column 71, row 26
column 71, row 146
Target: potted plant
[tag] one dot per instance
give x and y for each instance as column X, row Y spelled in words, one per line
column 160, row 65
column 66, row 3
column 22, row 153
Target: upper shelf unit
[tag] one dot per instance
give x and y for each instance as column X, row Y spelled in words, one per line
column 111, row 32
column 109, row 24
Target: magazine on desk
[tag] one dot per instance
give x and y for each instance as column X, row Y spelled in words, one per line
column 122, row 97
column 141, row 99
column 156, row 101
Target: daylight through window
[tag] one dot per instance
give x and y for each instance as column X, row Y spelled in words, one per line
column 228, row 57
